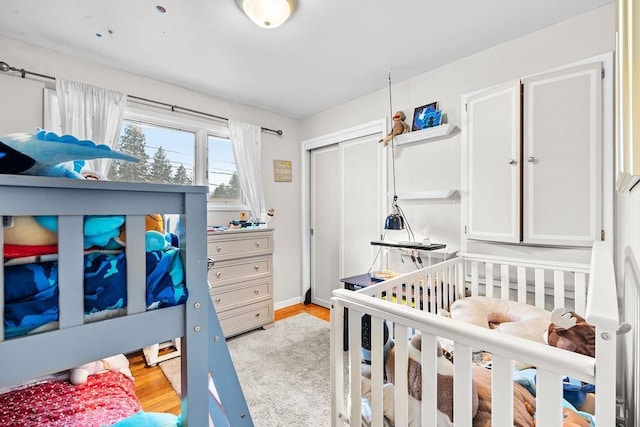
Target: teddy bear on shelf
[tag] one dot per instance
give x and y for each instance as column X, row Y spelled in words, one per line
column 399, row 127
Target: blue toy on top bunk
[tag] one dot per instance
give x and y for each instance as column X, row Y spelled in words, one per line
column 46, row 154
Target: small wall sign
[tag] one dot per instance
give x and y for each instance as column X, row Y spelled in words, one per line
column 282, row 171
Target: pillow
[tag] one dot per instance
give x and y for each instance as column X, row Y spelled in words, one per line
column 509, row 317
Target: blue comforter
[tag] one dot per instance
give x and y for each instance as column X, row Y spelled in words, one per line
column 31, row 290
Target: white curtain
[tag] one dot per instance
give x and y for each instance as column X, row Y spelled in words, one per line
column 246, row 143
column 92, row 113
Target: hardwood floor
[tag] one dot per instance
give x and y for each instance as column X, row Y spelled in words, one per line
column 155, row 392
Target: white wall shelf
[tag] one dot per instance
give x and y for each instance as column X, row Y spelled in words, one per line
column 424, row 134
column 427, row 195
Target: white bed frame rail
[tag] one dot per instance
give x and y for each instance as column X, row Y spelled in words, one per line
column 552, row 363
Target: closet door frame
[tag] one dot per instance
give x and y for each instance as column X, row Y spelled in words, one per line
column 377, row 127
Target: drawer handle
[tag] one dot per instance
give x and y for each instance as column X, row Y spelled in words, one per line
column 218, row 300
column 257, row 267
column 257, row 314
column 218, row 274
column 256, row 292
column 257, row 244
column 219, row 248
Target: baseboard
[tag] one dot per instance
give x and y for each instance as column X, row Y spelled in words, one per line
column 286, row 303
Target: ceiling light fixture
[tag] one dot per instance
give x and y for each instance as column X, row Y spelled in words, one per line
column 267, row 13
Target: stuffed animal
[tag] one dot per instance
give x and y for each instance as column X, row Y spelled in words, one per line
column 414, row 372
column 570, row 331
column 414, row 375
column 571, row 417
column 26, row 231
column 524, row 403
column 117, row 363
column 47, row 154
column 399, row 127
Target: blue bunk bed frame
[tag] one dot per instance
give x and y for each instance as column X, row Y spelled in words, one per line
column 204, row 348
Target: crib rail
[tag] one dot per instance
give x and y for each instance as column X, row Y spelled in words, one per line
column 407, row 316
column 430, row 289
column 494, row 277
column 551, row 363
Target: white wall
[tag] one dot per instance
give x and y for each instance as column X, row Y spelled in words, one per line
column 21, row 110
column 436, row 165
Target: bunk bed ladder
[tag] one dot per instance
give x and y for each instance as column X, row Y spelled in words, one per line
column 227, row 405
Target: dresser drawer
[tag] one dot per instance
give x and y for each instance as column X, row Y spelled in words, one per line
column 244, row 319
column 223, row 247
column 241, row 294
column 227, row 272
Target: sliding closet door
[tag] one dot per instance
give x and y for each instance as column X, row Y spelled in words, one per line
column 346, row 194
column 325, row 213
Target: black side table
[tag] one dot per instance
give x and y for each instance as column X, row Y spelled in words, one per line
column 354, row 283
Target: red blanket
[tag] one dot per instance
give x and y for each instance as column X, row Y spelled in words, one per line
column 103, row 400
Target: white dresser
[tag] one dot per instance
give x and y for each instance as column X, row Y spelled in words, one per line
column 241, row 279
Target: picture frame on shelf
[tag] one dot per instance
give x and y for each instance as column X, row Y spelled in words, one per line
column 426, row 116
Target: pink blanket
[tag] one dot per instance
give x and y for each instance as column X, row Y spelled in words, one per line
column 103, row 400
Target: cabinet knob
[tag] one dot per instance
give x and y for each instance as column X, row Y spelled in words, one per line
column 257, row 314
column 256, row 292
column 257, row 244
column 219, row 248
column 513, row 162
column 257, row 267
column 218, row 274
column 218, row 300
column 532, row 159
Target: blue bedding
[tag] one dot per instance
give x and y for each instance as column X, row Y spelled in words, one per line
column 31, row 290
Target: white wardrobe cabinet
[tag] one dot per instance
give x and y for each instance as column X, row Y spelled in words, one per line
column 533, row 159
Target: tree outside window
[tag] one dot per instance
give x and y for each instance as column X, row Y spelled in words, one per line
column 166, row 155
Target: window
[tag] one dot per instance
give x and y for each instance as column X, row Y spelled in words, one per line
column 167, row 155
column 223, row 177
column 172, row 148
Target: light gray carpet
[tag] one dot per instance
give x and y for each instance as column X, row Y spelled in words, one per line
column 284, row 372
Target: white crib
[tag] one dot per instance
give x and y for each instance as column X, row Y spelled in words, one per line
column 544, row 284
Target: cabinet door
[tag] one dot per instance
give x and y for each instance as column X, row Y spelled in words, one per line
column 493, row 164
column 561, row 147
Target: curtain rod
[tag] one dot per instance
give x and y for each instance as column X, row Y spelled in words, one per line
column 6, row 67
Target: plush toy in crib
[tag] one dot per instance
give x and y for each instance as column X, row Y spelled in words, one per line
column 572, row 417
column 399, row 127
column 414, row 375
column 117, row 363
column 524, row 403
column 414, row 372
column 570, row 331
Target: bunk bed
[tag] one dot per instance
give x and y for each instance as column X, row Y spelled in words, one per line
column 75, row 339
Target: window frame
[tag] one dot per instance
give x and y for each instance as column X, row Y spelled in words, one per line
column 147, row 114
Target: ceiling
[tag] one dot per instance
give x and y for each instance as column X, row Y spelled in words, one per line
column 329, row 52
